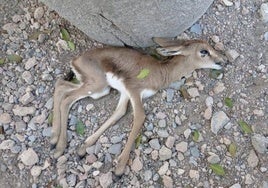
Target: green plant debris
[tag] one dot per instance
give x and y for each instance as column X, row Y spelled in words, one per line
column 14, row 58
column 2, row 61
column 74, row 80
column 185, row 93
column 80, row 128
column 196, row 135
column 217, row 169
column 229, row 102
column 143, row 73
column 65, row 35
column 245, row 127
column 50, row 118
column 71, row 45
column 138, row 141
column 215, row 73
column 232, row 149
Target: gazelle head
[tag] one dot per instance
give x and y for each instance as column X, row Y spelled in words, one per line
column 198, row 52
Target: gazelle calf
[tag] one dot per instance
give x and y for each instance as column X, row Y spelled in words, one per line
column 117, row 67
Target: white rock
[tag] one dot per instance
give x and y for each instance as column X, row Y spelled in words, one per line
column 29, row 157
column 248, row 180
column 165, row 153
column 258, row 112
column 106, row 179
column 253, row 159
column 264, row 12
column 227, row 3
column 170, row 141
column 193, row 92
column 163, row 169
column 136, row 165
column 5, row 118
column 194, row 174
column 23, row 111
column 147, row 175
column 167, row 181
column 31, row 62
column 39, row 13
column 187, row 133
column 237, row 185
column 182, row 147
column 27, row 77
column 219, row 88
column 7, row 144
column 36, row 171
column 154, row 143
column 218, row 121
column 213, row 159
column 209, row 101
column 180, row 171
column 208, row 113
column 26, row 98
column 260, row 143
column 10, row 28
column 232, row 55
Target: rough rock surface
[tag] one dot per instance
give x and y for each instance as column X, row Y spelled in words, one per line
column 128, row 21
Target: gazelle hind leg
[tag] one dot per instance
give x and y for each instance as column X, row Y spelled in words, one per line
column 118, row 113
column 61, row 88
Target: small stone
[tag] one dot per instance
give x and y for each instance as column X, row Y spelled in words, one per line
column 253, row 159
column 218, row 121
column 96, row 173
column 196, row 28
column 209, row 101
column 227, row 3
column 7, row 144
column 29, row 157
column 16, row 18
column 167, row 181
column 260, row 143
column 193, row 92
column 136, row 165
column 23, row 111
column 165, row 153
column 162, row 133
column 177, row 120
column 187, row 133
column 39, row 13
column 219, row 88
column 163, row 169
column 147, row 175
column 170, row 141
column 36, row 171
column 180, row 171
column 27, row 77
column 71, row 180
column 194, row 174
column 161, row 115
column 237, row 185
column 106, row 180
column 195, row 152
column 258, row 112
column 170, row 95
column 232, row 55
column 154, row 143
column 20, row 126
column 182, row 147
column 89, row 107
column 265, row 36
column 208, row 113
column 248, row 180
column 215, row 38
column 220, row 47
column 46, row 132
column 26, row 98
column 154, row 154
column 116, row 139
column 213, row 159
column 10, row 28
column 5, row 118
column 162, row 123
column 115, row 149
column 31, row 62
column 97, row 164
column 41, row 38
column 264, row 12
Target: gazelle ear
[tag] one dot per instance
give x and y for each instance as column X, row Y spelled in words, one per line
column 164, row 42
column 170, row 51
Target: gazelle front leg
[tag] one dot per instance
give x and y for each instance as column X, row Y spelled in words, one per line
column 61, row 88
column 118, row 113
column 139, row 117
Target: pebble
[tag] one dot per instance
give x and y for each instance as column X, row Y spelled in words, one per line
column 165, row 153
column 7, row 144
column 219, row 88
column 195, row 151
column 41, row 38
column 193, row 92
column 180, row 171
column 167, row 181
column 47, row 132
column 182, row 147
column 147, row 175
column 36, row 171
column 91, row 158
column 264, row 12
column 23, row 111
column 154, row 154
column 260, row 143
column 265, row 36
column 39, row 13
column 115, row 149
column 163, row 169
column 162, row 123
column 116, row 139
column 170, row 95
column 213, row 158
column 26, row 98
column 10, row 28
column 176, row 85
column 29, row 157
column 161, row 115
column 16, row 18
column 154, row 143
column 170, row 141
column 196, row 28
column 209, row 101
column 232, row 55
column 237, row 185
column 208, row 113
column 194, row 174
column 27, row 77
column 162, row 133
column 71, row 180
column 31, row 62
column 218, row 121
column 5, row 118
column 136, row 165
column 248, row 180
column 258, row 112
column 106, row 180
column 253, row 159
column 187, row 133
column 227, row 3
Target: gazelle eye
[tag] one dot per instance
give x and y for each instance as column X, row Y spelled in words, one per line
column 204, row 53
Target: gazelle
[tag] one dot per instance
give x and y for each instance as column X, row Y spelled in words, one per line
column 119, row 68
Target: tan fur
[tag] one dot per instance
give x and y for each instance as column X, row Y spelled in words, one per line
column 125, row 64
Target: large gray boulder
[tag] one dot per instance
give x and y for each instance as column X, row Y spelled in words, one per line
column 133, row 22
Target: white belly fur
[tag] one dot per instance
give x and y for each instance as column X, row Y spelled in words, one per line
column 118, row 84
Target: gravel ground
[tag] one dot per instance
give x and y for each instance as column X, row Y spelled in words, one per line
column 186, row 131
